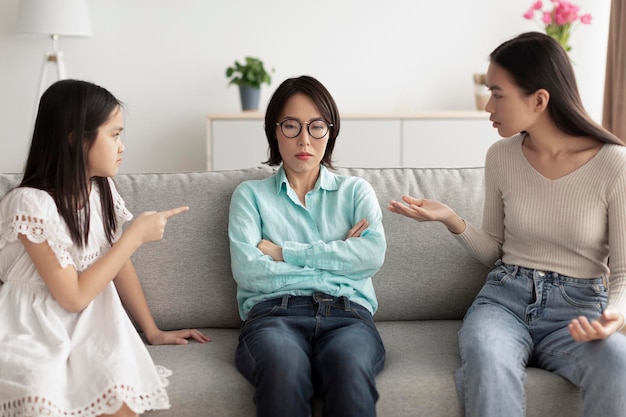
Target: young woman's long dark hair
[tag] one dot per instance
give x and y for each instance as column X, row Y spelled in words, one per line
column 537, row 61
column 316, row 91
column 69, row 115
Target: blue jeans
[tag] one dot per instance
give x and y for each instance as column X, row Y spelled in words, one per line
column 520, row 319
column 292, row 346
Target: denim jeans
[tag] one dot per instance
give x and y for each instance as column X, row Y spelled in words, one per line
column 293, row 346
column 520, row 319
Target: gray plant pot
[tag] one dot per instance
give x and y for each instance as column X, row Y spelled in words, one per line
column 249, row 97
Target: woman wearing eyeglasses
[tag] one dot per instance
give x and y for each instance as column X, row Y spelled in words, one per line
column 304, row 246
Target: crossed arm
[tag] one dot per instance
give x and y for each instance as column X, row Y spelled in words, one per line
column 276, row 252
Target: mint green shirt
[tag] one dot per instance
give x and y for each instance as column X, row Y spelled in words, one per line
column 317, row 256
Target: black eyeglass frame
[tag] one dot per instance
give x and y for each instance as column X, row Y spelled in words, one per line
column 308, row 127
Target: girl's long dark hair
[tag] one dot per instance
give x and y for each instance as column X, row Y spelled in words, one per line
column 69, row 115
column 537, row 61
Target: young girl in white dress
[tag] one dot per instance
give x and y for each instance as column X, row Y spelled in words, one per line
column 67, row 346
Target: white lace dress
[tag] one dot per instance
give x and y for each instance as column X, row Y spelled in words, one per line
column 54, row 362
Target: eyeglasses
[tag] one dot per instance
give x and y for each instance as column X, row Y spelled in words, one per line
column 317, row 129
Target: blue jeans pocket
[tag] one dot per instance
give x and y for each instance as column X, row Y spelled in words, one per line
column 361, row 313
column 499, row 275
column 261, row 310
column 592, row 296
column 358, row 312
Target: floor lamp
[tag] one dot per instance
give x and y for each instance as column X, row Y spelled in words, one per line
column 54, row 18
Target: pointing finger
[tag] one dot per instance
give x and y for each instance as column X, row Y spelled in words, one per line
column 174, row 211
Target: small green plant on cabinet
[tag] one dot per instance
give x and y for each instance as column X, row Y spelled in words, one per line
column 252, row 73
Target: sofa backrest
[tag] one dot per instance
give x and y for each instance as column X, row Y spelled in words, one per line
column 187, row 277
column 427, row 274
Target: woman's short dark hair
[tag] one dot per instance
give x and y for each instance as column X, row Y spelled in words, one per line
column 325, row 103
column 537, row 61
column 68, row 118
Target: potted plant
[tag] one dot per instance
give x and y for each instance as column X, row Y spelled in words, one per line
column 249, row 76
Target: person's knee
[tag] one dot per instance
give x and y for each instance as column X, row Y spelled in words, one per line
column 288, row 365
column 474, row 347
column 125, row 411
column 492, row 344
column 608, row 361
column 364, row 356
column 276, row 351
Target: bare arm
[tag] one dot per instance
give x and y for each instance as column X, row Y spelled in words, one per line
column 424, row 210
column 74, row 290
column 132, row 295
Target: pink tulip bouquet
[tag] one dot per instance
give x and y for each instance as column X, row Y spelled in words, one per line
column 558, row 19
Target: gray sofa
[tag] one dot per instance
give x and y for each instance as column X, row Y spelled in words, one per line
column 426, row 284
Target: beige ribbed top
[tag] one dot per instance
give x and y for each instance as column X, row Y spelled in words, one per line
column 570, row 225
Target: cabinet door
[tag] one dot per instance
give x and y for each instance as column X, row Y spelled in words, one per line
column 236, row 144
column 368, row 144
column 447, row 143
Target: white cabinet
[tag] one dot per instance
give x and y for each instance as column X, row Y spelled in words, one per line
column 427, row 139
column 368, row 143
column 236, row 144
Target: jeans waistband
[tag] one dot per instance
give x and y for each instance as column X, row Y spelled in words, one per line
column 317, row 298
column 531, row 273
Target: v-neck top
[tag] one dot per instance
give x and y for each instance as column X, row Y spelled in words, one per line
column 571, row 225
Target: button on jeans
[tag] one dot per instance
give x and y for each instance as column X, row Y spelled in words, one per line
column 520, row 319
column 291, row 347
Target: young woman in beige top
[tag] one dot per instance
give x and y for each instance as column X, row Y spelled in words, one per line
column 555, row 212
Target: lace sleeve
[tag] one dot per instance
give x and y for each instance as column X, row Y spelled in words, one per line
column 122, row 215
column 32, row 213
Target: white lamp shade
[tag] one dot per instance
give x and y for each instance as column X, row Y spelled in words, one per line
column 54, row 17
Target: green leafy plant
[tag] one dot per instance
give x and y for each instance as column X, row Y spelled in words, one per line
column 251, row 73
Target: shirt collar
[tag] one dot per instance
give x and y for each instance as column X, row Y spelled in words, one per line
column 326, row 181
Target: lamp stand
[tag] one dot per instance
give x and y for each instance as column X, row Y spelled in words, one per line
column 50, row 58
column 55, row 58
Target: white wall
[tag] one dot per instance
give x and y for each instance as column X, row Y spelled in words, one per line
column 166, row 60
